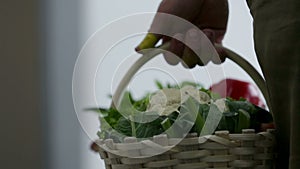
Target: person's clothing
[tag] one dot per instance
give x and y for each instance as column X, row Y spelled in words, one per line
column 277, row 44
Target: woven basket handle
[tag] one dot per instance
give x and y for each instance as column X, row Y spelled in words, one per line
column 244, row 64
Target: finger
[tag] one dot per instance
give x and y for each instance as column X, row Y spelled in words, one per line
column 219, row 35
column 210, row 35
column 189, row 58
column 163, row 22
column 216, row 36
column 159, row 25
column 176, row 50
column 221, row 57
column 191, row 40
column 199, row 50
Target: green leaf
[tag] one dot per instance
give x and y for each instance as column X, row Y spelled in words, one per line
column 187, row 117
column 124, row 126
column 257, row 114
column 185, row 83
column 166, row 124
column 231, row 120
column 159, row 85
column 235, row 106
column 212, row 121
column 212, row 95
column 145, row 130
column 243, row 121
column 126, row 107
column 199, row 123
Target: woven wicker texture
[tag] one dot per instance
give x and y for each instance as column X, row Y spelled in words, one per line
column 220, row 151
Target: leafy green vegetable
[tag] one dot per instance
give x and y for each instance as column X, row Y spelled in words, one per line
column 257, row 114
column 133, row 120
column 243, row 121
column 213, row 96
column 199, row 123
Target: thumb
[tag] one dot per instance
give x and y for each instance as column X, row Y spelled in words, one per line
column 149, row 41
column 160, row 24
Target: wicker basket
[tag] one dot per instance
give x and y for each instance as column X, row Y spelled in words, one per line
column 221, row 150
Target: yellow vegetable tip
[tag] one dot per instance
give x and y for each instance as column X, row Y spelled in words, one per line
column 148, row 42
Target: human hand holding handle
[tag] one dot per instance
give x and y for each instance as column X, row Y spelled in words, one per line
column 209, row 16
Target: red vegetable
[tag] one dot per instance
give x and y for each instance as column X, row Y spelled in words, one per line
column 236, row 89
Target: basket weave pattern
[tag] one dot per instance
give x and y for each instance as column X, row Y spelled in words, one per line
column 221, row 150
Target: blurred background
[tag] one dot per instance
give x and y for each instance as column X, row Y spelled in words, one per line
column 40, row 41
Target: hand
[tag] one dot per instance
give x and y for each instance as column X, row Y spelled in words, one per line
column 210, row 16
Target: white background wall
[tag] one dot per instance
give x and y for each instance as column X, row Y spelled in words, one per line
column 98, row 13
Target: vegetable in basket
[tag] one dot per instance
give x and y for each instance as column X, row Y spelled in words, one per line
column 237, row 89
column 155, row 114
